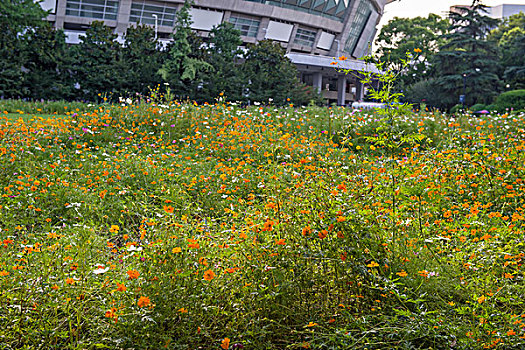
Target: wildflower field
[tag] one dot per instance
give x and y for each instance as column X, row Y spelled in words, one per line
column 143, row 226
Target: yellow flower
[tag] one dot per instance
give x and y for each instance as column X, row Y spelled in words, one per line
column 312, row 324
column 402, row 273
column 372, row 264
column 417, row 50
column 176, row 250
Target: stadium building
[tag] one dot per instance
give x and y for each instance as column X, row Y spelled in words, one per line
column 312, row 31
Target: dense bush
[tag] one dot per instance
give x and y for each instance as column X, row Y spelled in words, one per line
column 511, row 99
column 477, row 107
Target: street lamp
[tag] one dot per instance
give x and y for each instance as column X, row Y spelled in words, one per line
column 462, row 98
column 156, row 24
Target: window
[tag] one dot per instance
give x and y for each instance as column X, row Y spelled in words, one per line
column 99, row 9
column 248, row 27
column 364, row 11
column 334, row 10
column 305, row 37
column 143, row 11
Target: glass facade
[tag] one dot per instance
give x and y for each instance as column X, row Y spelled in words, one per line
column 142, row 12
column 247, row 26
column 99, row 9
column 305, row 37
column 333, row 9
column 364, row 11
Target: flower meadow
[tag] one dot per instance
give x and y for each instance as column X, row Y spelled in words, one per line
column 184, row 226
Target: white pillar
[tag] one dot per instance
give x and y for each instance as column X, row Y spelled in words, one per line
column 318, row 81
column 359, row 91
column 341, row 90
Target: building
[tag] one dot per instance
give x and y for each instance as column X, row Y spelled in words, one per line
column 505, row 10
column 312, row 31
column 498, row 12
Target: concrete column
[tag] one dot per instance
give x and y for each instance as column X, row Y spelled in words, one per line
column 318, row 81
column 124, row 10
column 263, row 27
column 341, row 90
column 226, row 16
column 359, row 91
column 60, row 14
column 290, row 42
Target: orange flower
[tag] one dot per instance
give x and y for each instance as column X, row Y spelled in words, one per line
column 341, row 219
column 70, row 281
column 132, row 274
column 121, row 287
column 342, row 58
column 112, row 314
column 225, row 344
column 168, row 209
column 114, row 228
column 4, row 273
column 268, row 225
column 307, row 230
column 143, row 302
column 183, row 310
column 417, row 50
column 280, row 242
column 209, row 275
column 322, row 234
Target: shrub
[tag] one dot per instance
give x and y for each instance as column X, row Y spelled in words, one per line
column 511, row 99
column 456, row 108
column 478, row 107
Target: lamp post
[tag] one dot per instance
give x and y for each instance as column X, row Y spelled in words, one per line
column 462, row 98
column 156, row 24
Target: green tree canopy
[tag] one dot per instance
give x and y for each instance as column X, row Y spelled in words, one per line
column 46, row 73
column 510, row 38
column 96, row 62
column 420, row 36
column 270, row 75
column 16, row 17
column 223, row 55
column 141, row 60
column 186, row 58
column 468, row 58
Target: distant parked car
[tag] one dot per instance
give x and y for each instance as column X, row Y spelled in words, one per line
column 367, row 105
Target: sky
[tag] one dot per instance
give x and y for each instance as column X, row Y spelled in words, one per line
column 414, row 8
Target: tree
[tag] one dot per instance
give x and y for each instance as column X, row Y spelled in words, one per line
column 223, row 56
column 141, row 60
column 96, row 62
column 510, row 38
column 420, row 36
column 16, row 17
column 46, row 74
column 468, row 60
column 270, row 75
column 186, row 58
